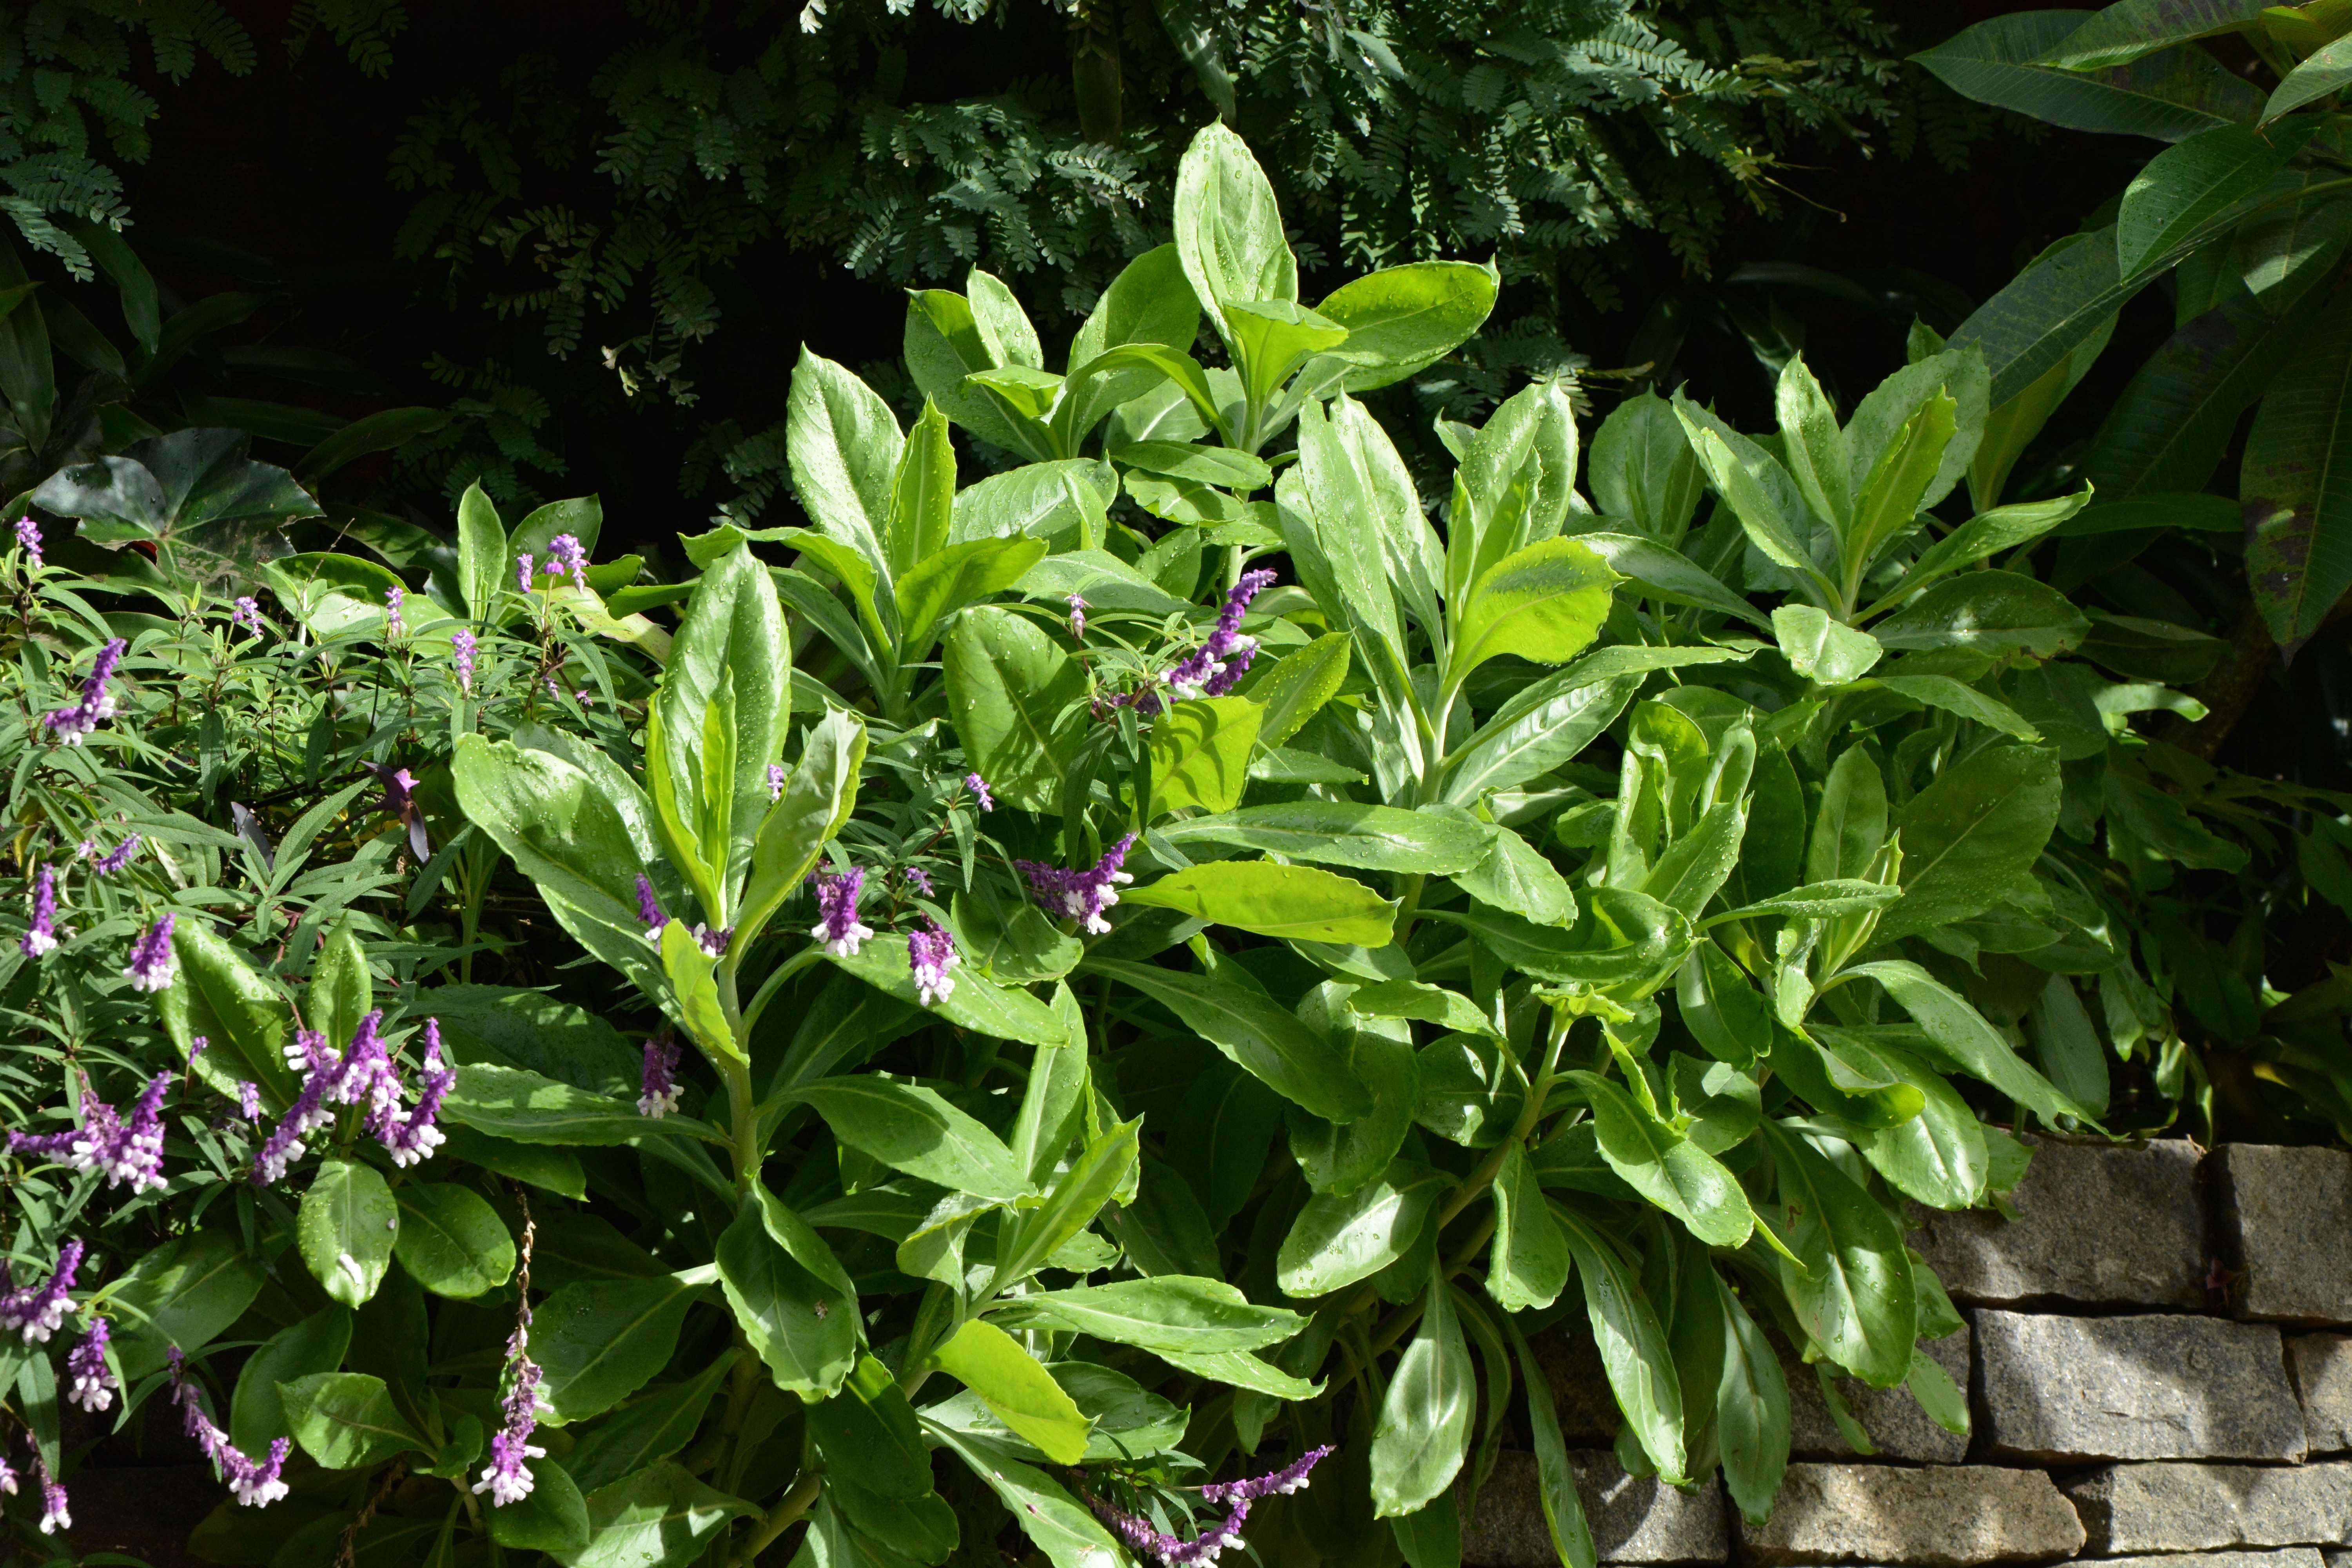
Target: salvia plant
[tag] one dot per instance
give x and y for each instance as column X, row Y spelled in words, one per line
column 1092, row 1015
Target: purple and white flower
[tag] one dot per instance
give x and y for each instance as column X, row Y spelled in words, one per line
column 775, row 782
column 248, row 1100
column 247, row 612
column 151, row 967
column 1077, row 617
column 41, row 938
column 979, row 786
column 69, row 725
column 55, row 1515
column 522, row 573
column 394, row 625
column 650, row 910
column 920, row 880
column 410, row 1136
column 28, row 538
column 837, row 924
column 256, row 1485
column 507, row 1478
column 657, row 1084
column 118, row 857
column 1081, row 896
column 931, row 954
column 93, row 1379
column 566, row 558
column 38, row 1311
column 461, row 650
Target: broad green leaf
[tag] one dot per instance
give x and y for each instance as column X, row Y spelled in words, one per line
column 1987, row 533
column 1297, row 902
column 552, row 1517
column 1991, row 612
column 1669, row 576
column 694, row 991
column 240, row 1014
column 977, row 1003
column 1634, row 1352
column 922, row 499
column 482, row 569
column 911, row 1129
column 1942, row 691
column 528, row 1108
column 1054, row 1521
column 868, row 1430
column 1694, row 868
column 817, row 800
column 1512, row 488
column 1969, row 835
column 1403, row 320
column 2327, row 70
column 1643, row 468
column 2129, row 29
column 657, row 1518
column 600, row 1341
column 1751, row 1405
column 450, row 1241
column 1060, row 503
column 1200, row 754
column 1770, row 507
column 955, row 577
column 1240, row 1369
column 1341, row 1237
column 1527, row 1263
column 1563, row 1509
column 1855, row 1296
column 1960, row 1035
column 185, row 1293
column 1170, row 1312
column 341, row 988
column 1527, row 738
column 345, row 1229
column 2191, row 181
column 941, row 344
column 1342, row 1157
column 1271, row 338
column 1256, row 1033
column 1010, row 1382
column 1666, row 1168
column 1720, row 1008
column 1096, row 1176
column 1902, row 480
column 1416, row 999
column 1824, row 651
column 1423, row 1433
column 843, row 444
column 797, row 1309
column 1340, row 833
column 345, row 1420
column 1514, row 877
column 1939, row 1156
column 2169, row 95
column 2296, row 482
column 1296, row 689
column 2073, row 1056
column 1544, row 604
column 1228, row 229
column 1812, row 446
column 2066, row 298
column 650, row 1427
column 311, row 1347
column 1339, row 495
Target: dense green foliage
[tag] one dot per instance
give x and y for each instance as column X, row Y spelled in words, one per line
column 1134, row 910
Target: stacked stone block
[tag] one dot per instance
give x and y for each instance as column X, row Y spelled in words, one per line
column 2158, row 1358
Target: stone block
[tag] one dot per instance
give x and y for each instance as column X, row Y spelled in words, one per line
column 1634, row 1518
column 1589, row 1417
column 2204, row 1508
column 1939, row 1516
column 2292, row 1557
column 2078, row 1390
column 2285, row 1222
column 1897, row 1425
column 2321, row 1368
column 2097, row 1225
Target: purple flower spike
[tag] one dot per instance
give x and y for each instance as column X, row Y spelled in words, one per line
column 247, row 614
column 1158, row 1546
column 410, row 1136
column 507, row 1478
column 256, row 1485
column 836, row 901
column 775, row 782
column 1286, row 1479
column 565, row 557
column 28, row 538
column 650, row 910
column 393, row 627
column 659, row 1083
column 920, row 880
column 461, row 650
column 55, row 1515
column 42, row 938
column 151, row 967
column 522, row 573
column 120, row 857
column 93, row 1379
column 931, row 954
column 1081, row 896
column 1077, row 617
column 7, row 1479
column 712, row 942
column 38, row 1312
column 69, row 725
column 979, row 786
column 248, row 1100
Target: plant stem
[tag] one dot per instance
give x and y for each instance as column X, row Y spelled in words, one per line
column 783, row 1516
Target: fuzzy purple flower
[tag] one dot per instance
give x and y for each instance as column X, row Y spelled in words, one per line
column 394, row 625
column 69, row 725
column 118, row 857
column 931, row 955
column 658, row 1084
column 28, row 538
column 522, row 573
column 775, row 782
column 461, row 650
column 7, row 1479
column 565, row 557
column 1081, row 896
column 38, row 1312
column 712, row 942
column 1284, row 1479
column 1077, row 617
column 410, row 1136
column 55, row 1515
column 1158, row 1546
column 42, row 938
column 361, row 1075
column 399, row 801
column 247, row 614
column 256, row 1485
column 920, row 880
column 836, row 901
column 979, row 786
column 93, row 1379
column 129, row 1150
column 650, row 910
column 507, row 1478
column 248, row 1100
column 151, row 967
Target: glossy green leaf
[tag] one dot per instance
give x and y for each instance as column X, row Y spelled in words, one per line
column 1403, row 320
column 1969, row 835
column 1200, row 754
column 1253, row 1032
column 450, row 1241
column 341, row 988
column 911, row 1129
column 1855, row 1294
column 600, row 1341
column 307, row 1349
column 1527, row 1265
column 528, row 1108
column 1056, row 1523
column 1643, row 468
column 1297, row 902
column 1171, row 1312
column 552, row 1517
column 1666, row 1168
column 2296, row 482
column 2007, row 63
column 1633, row 1351
column 1751, row 1406
column 2328, row 69
column 1228, row 229
column 1991, row 612
column 1546, row 725
column 656, row 1517
column 818, row 797
column 2188, row 184
column 1720, row 1008
column 1938, row 1157
column 991, row 1363
column 345, row 1420
column 1544, row 604
column 977, row 1003
column 1825, row 651
column 650, row 1427
column 1341, row 1237
column 1515, row 876
column 482, row 570
column 345, row 1228
column 843, row 444
column 1960, row 1035
column 2129, row 29
column 1340, row 833
column 1668, row 575
column 185, row 1293
column 796, row 1308
column 1423, row 1433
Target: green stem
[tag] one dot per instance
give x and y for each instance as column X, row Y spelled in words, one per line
column 783, row 1516
column 769, row 987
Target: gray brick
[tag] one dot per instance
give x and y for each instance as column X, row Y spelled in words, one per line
column 2322, row 1367
column 2292, row 1557
column 2286, row 1221
column 2076, row 1390
column 2202, row 1508
column 2097, row 1226
column 1589, row 1417
column 1634, row 1518
column 1895, row 1424
column 1939, row 1516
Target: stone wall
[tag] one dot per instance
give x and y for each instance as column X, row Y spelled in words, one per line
column 2158, row 1361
